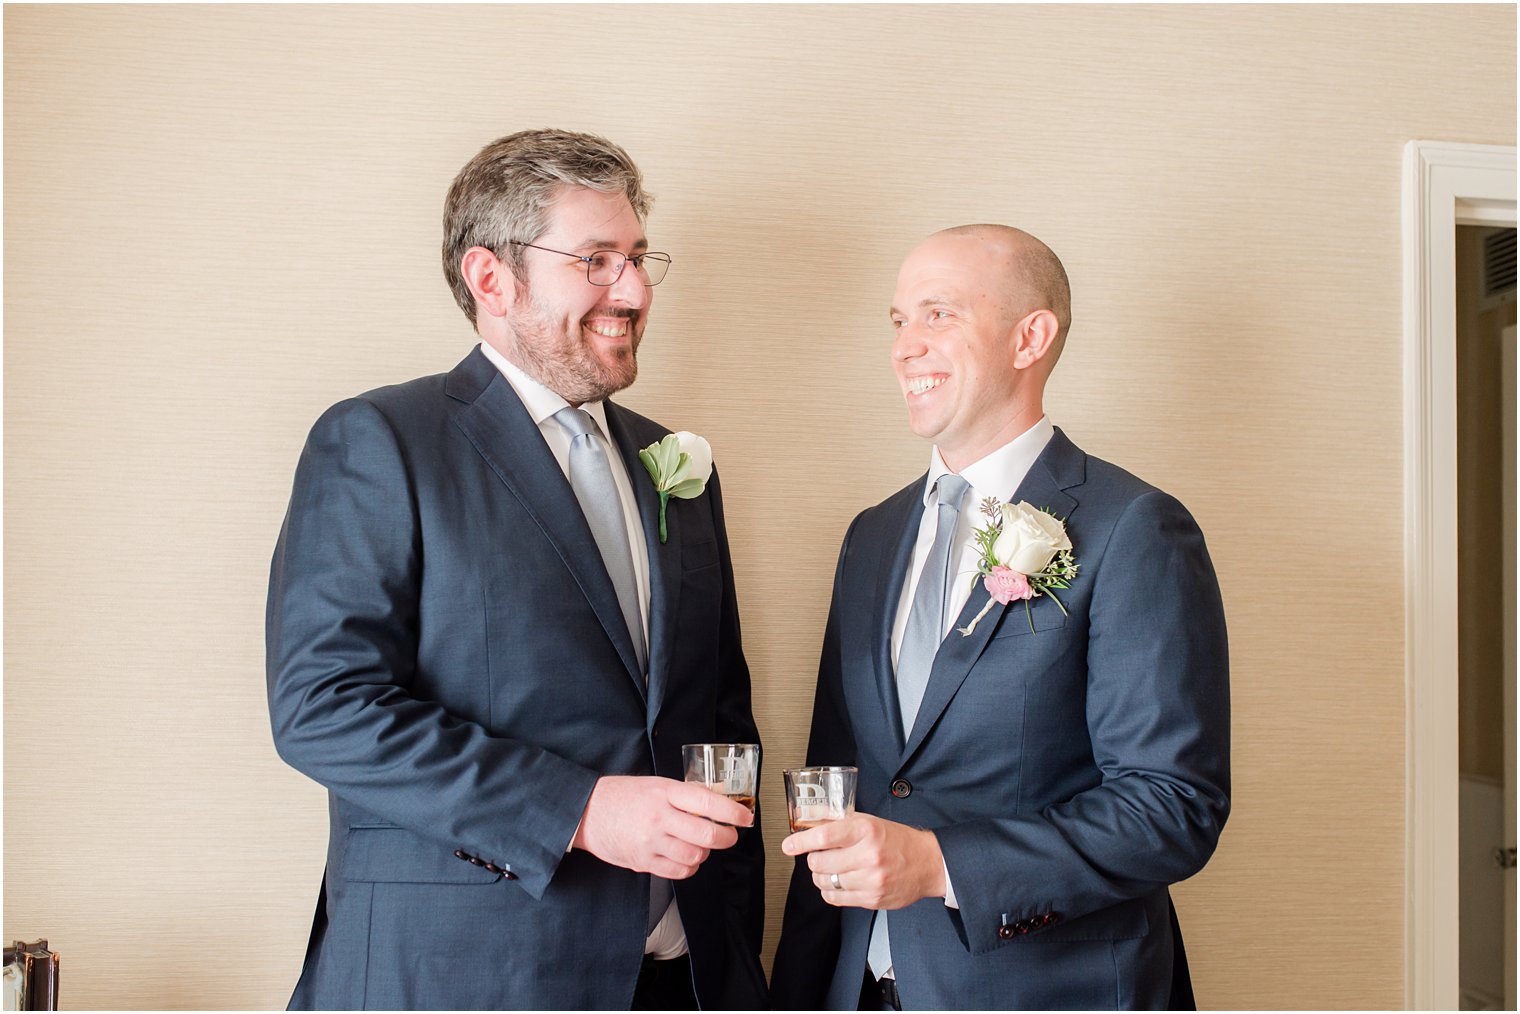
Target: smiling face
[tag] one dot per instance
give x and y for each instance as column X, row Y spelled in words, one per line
column 577, row 339
column 962, row 352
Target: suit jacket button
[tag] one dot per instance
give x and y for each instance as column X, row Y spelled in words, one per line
column 477, row 861
column 902, row 788
column 492, row 868
column 1052, row 918
column 461, row 854
column 1006, row 932
column 508, row 875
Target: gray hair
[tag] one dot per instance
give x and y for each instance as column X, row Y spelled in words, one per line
column 504, row 194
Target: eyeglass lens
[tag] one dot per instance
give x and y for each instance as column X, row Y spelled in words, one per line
column 606, row 266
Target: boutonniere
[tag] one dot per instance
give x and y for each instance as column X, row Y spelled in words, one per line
column 1025, row 554
column 680, row 466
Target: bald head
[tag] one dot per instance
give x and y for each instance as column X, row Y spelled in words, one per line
column 980, row 313
column 1027, row 274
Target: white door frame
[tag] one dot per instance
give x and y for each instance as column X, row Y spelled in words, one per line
column 1444, row 185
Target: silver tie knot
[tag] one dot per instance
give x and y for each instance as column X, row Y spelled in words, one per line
column 952, row 490
column 577, row 422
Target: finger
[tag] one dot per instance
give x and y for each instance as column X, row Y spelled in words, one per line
column 683, row 853
column 699, row 831
column 670, row 869
column 830, row 882
column 824, row 836
column 859, row 855
column 863, row 885
column 855, row 842
column 704, row 802
column 845, row 899
column 828, row 861
column 855, row 889
column 803, row 842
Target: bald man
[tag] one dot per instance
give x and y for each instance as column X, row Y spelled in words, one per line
column 1040, row 719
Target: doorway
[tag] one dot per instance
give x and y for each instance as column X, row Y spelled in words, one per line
column 1446, row 185
column 1485, row 521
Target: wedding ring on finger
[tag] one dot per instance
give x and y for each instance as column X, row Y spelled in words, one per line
column 834, row 882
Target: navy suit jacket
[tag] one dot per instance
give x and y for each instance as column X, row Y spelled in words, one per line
column 1070, row 772
column 447, row 656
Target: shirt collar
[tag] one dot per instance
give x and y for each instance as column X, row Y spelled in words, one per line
column 997, row 474
column 541, row 402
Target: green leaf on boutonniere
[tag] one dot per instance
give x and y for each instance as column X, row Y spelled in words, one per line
column 670, row 457
column 670, row 463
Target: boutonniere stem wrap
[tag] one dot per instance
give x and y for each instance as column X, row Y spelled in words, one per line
column 680, row 466
column 1025, row 553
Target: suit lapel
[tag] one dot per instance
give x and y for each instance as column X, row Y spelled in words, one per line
column 892, row 572
column 1060, row 466
column 664, row 560
column 501, row 430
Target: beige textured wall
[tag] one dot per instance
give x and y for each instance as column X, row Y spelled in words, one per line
column 219, row 221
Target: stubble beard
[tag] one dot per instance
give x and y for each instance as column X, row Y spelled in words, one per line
column 564, row 362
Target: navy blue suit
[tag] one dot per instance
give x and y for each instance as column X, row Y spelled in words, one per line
column 1070, row 773
column 447, row 656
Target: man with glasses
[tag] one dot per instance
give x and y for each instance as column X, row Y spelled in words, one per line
column 489, row 637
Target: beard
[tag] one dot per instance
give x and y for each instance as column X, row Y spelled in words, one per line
column 565, row 362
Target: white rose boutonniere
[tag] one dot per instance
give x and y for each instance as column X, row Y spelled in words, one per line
column 680, row 466
column 1029, row 539
column 1025, row 553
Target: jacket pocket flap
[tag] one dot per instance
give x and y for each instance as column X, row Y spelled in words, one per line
column 695, row 556
column 1020, row 621
column 395, row 855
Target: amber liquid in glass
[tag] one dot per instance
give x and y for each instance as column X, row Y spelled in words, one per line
column 748, row 802
column 803, row 825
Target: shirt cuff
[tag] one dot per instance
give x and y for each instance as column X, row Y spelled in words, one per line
column 950, row 901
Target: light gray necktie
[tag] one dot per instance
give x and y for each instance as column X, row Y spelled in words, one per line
column 926, row 620
column 920, row 643
column 591, row 479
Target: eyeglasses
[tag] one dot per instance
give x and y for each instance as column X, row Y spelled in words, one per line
column 606, row 266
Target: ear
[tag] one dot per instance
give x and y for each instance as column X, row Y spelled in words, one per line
column 1033, row 337
column 490, row 280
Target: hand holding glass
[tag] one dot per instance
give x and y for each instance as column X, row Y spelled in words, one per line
column 817, row 795
column 730, row 769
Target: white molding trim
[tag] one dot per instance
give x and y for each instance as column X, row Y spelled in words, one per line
column 1443, row 184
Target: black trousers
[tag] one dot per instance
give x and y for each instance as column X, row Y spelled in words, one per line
column 665, row 985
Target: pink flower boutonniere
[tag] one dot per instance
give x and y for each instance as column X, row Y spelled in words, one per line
column 1025, row 554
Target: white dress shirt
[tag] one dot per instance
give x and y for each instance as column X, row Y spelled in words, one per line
column 996, row 475
column 669, row 938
